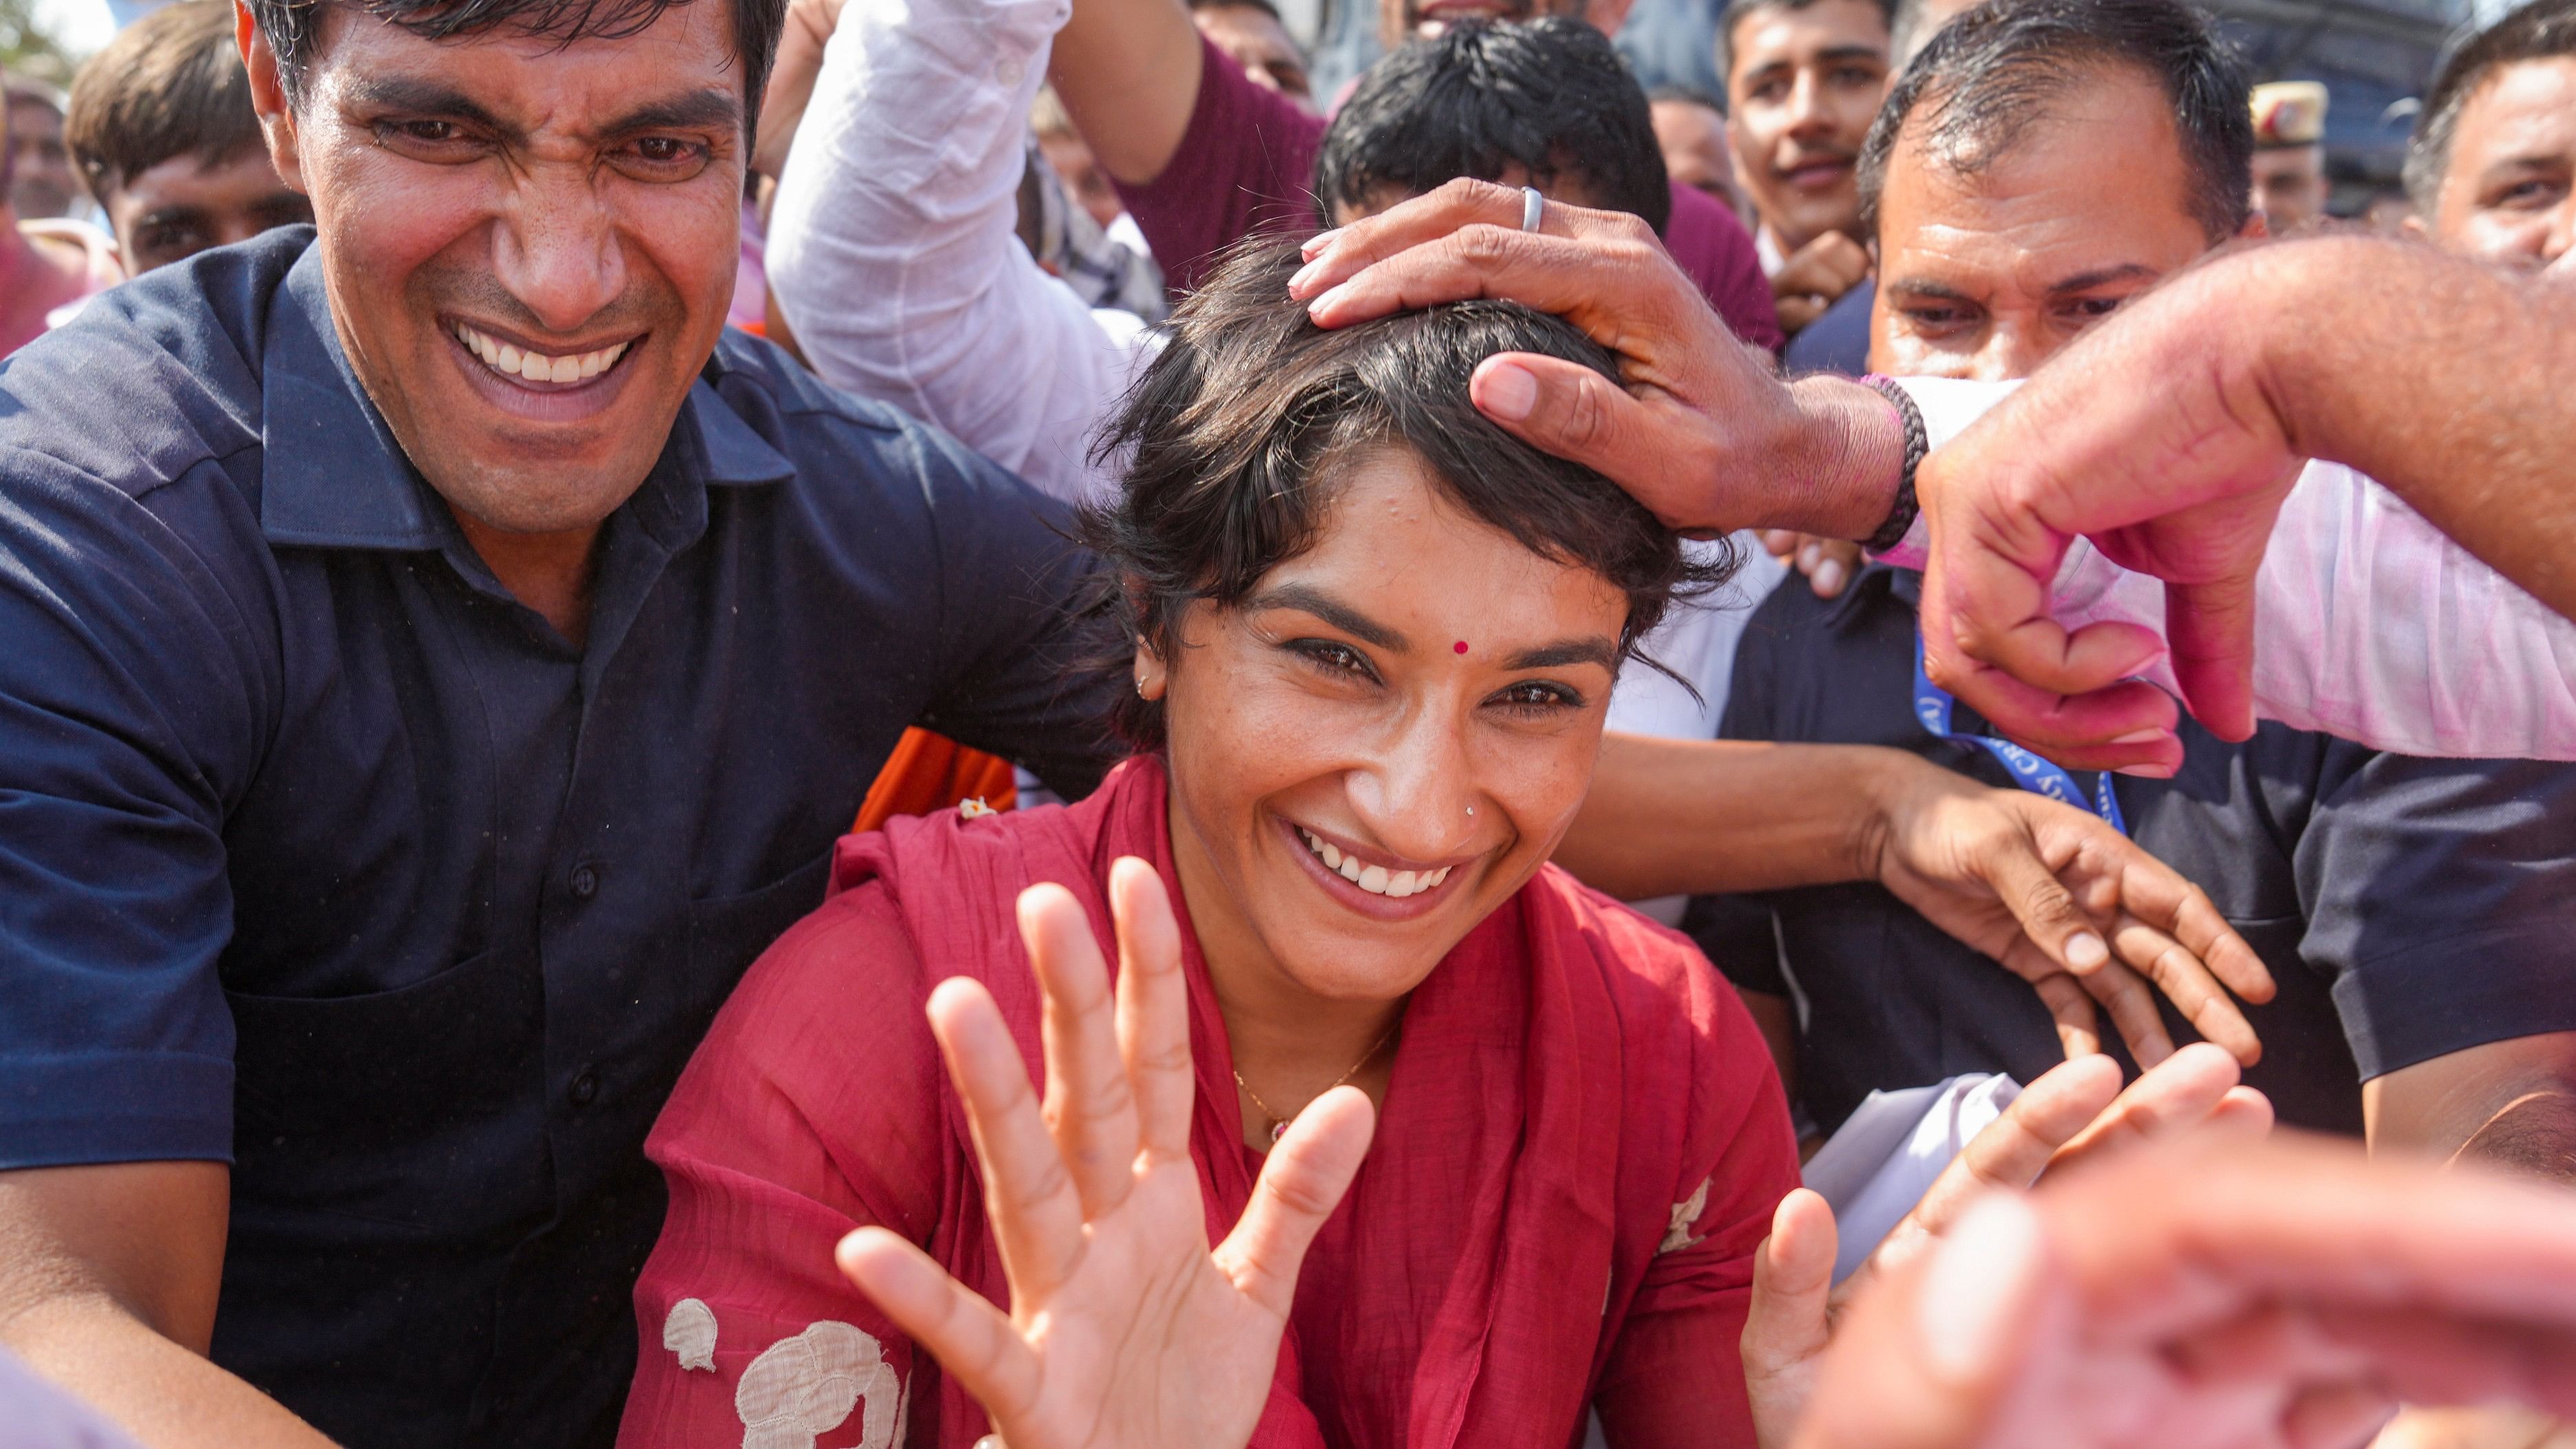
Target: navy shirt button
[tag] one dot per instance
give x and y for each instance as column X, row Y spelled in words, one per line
column 585, row 1088
column 585, row 882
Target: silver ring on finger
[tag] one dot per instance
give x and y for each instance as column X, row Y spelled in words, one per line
column 1533, row 208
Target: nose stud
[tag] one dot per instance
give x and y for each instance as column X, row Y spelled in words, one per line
column 1471, row 809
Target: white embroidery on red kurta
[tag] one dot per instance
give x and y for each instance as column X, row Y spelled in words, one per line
column 807, row 1385
column 690, row 1333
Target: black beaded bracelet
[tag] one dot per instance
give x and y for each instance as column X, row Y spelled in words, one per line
column 1900, row 519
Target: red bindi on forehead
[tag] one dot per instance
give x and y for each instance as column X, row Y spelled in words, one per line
column 1460, row 646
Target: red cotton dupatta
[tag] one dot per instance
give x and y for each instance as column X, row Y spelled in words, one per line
column 1518, row 1188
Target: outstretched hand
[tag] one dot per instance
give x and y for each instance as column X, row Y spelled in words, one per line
column 2072, row 1114
column 2071, row 906
column 1124, row 1330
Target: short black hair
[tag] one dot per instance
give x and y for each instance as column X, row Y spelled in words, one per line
column 169, row 85
column 1238, row 432
column 291, row 27
column 1738, row 10
column 2542, row 30
column 1985, row 78
column 1549, row 96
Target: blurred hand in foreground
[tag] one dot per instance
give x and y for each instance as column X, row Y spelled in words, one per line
column 2073, row 1114
column 2210, row 1293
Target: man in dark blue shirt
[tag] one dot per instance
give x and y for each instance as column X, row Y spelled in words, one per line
column 2415, row 914
column 435, row 667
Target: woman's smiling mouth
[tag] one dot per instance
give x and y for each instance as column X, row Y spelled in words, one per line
column 1377, row 880
column 1380, row 885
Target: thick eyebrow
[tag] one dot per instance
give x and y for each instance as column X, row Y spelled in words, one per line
column 709, row 109
column 1308, row 599
column 421, row 97
column 2101, row 277
column 1852, row 52
column 1591, row 650
column 2541, row 163
column 1926, row 287
column 170, row 215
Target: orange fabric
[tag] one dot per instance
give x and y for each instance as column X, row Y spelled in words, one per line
column 930, row 772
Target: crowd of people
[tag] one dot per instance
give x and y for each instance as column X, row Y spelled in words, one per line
column 972, row 722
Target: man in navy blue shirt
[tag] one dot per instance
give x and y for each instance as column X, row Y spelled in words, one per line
column 435, row 666
column 2415, row 914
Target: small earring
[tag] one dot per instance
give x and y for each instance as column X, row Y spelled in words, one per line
column 1471, row 809
column 1140, row 689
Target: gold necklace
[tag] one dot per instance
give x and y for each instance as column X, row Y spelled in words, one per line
column 1279, row 1124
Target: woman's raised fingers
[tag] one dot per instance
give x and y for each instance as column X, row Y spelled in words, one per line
column 969, row 1336
column 1153, row 1008
column 1036, row 1214
column 1301, row 1183
column 1089, row 1107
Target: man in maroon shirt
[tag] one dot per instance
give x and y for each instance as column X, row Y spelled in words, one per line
column 1203, row 156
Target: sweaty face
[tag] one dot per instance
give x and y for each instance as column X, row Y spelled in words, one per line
column 1384, row 743
column 1261, row 45
column 530, row 245
column 185, row 205
column 1986, row 275
column 1802, row 87
column 2509, row 191
column 2290, row 187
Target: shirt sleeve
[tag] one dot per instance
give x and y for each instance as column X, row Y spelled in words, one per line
column 1673, row 1377
column 2441, row 898
column 893, row 251
column 747, row 1332
column 1718, row 253
column 138, row 687
column 1018, row 642
column 1246, row 164
column 2370, row 623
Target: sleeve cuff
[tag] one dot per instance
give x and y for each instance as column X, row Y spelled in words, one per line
column 2456, row 993
column 66, row 1111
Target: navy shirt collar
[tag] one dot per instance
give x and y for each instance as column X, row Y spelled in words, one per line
column 334, row 477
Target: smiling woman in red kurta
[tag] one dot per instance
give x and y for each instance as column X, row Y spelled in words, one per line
column 1373, row 642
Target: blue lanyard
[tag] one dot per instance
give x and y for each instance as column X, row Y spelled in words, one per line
column 1932, row 705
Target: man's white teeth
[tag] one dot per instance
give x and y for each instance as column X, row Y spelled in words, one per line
column 509, row 361
column 1375, row 879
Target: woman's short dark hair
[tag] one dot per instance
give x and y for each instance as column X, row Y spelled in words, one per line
column 1238, row 431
